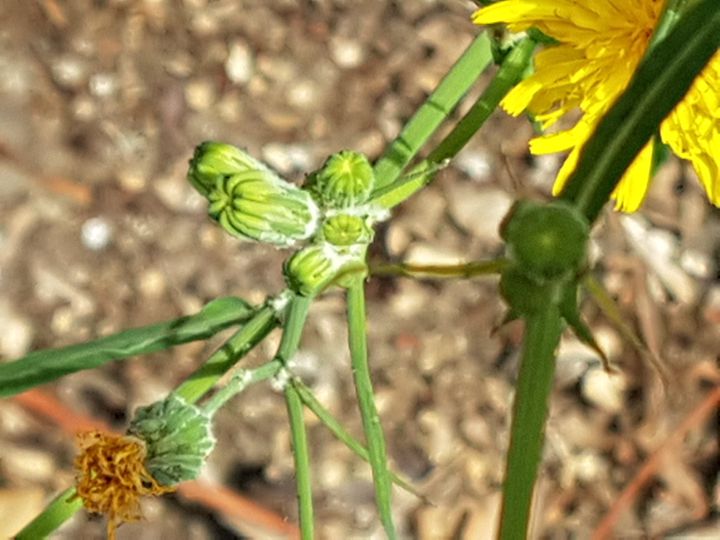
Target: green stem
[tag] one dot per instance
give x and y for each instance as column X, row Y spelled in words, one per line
column 301, row 456
column 436, row 108
column 533, row 388
column 254, row 331
column 366, row 400
column 292, row 332
column 469, row 270
column 510, row 72
column 62, row 508
column 240, row 381
column 336, row 428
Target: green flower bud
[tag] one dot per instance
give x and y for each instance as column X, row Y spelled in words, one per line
column 346, row 179
column 346, row 230
column 215, row 160
column 177, row 436
column 546, row 240
column 309, row 271
column 259, row 205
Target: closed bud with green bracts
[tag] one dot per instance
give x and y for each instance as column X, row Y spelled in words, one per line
column 346, row 230
column 346, row 179
column 309, row 271
column 177, row 436
column 259, row 205
column 547, row 241
column 215, row 160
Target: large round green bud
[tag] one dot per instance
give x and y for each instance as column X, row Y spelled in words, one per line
column 346, row 179
column 309, row 271
column 214, row 160
column 259, row 205
column 177, row 436
column 546, row 241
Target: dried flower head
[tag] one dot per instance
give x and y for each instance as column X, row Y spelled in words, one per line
column 111, row 477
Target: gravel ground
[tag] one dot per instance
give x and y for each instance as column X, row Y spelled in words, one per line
column 101, row 104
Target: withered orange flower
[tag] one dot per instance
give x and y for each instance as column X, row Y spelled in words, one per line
column 112, row 477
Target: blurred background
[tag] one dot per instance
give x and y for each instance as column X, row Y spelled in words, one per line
column 101, row 104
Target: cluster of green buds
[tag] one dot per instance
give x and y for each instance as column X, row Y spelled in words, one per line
column 331, row 212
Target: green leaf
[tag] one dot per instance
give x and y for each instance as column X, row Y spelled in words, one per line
column 44, row 366
column 662, row 80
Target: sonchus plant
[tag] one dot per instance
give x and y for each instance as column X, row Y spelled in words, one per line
column 636, row 70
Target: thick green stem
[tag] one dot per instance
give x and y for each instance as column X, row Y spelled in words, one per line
column 533, row 388
column 366, row 400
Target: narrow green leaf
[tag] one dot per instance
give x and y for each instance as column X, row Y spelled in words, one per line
column 476, row 58
column 366, row 400
column 44, row 366
column 336, row 428
column 532, row 394
column 661, row 81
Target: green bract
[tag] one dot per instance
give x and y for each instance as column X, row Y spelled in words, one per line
column 346, row 230
column 215, row 160
column 259, row 205
column 547, row 241
column 310, row 270
column 346, row 179
column 177, row 436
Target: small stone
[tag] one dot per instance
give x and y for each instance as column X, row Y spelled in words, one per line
column 103, row 85
column 152, row 283
column 604, row 390
column 302, row 94
column 17, row 333
column 69, row 72
column 31, row 465
column 96, row 233
column 200, row 94
column 240, row 65
column 346, row 53
column 479, row 210
column 287, row 158
column 476, row 164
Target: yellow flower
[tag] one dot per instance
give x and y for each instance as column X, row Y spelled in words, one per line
column 600, row 44
column 112, row 477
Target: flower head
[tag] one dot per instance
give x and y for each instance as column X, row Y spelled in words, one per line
column 112, row 476
column 599, row 46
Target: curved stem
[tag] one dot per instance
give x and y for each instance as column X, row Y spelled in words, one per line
column 62, row 508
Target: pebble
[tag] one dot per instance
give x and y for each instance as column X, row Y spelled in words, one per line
column 346, row 53
column 103, row 85
column 425, row 253
column 27, row 463
column 604, row 390
column 96, row 233
column 475, row 164
column 288, row 158
column 152, row 283
column 200, row 94
column 240, row 64
column 17, row 333
column 69, row 72
column 479, row 210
